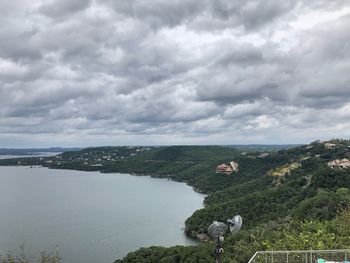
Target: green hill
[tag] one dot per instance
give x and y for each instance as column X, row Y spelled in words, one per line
column 288, row 200
column 279, row 195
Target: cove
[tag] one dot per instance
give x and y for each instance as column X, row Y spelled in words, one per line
column 91, row 217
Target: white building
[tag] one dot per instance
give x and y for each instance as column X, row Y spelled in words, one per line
column 344, row 163
column 329, row 145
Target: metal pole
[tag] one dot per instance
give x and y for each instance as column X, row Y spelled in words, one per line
column 217, row 251
column 287, row 257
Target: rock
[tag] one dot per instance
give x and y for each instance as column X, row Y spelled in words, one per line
column 203, row 237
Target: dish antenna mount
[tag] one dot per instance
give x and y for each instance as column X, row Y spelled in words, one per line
column 218, row 230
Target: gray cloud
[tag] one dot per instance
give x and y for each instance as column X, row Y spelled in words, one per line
column 251, row 14
column 159, row 13
column 200, row 71
column 62, row 8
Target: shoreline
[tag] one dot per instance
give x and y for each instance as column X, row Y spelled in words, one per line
column 200, row 238
column 169, row 176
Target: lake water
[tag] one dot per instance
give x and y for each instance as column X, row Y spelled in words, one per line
column 91, row 217
column 38, row 154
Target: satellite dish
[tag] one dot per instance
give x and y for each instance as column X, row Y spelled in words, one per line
column 217, row 229
column 235, row 224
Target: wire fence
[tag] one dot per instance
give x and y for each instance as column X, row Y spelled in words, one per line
column 302, row 256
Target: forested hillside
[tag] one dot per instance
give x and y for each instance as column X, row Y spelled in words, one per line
column 289, row 199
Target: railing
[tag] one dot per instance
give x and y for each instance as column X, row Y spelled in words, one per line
column 302, row 256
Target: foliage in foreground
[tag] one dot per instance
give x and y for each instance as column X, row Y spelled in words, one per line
column 283, row 234
column 21, row 257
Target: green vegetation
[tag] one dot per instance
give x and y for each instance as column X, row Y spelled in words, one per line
column 21, row 257
column 281, row 234
column 194, row 165
column 263, row 147
column 288, row 199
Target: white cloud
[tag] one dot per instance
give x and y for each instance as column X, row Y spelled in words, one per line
column 173, row 72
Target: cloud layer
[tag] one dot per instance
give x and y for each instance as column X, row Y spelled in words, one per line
column 94, row 72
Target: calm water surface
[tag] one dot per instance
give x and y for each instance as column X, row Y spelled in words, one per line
column 91, row 217
column 38, row 154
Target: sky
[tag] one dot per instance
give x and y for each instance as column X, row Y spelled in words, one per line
column 157, row 72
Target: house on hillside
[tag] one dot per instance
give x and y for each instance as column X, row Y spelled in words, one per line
column 263, row 155
column 224, row 169
column 329, row 145
column 234, row 166
column 227, row 169
column 344, row 163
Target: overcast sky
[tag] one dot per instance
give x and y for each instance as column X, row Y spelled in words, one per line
column 143, row 72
